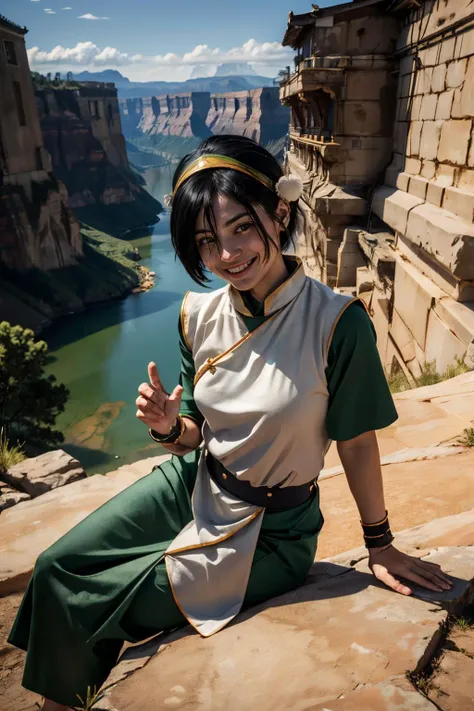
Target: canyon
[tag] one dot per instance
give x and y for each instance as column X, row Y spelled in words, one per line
column 170, row 119
column 64, row 174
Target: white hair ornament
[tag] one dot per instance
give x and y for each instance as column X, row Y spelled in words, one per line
column 289, row 188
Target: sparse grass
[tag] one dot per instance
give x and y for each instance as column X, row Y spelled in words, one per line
column 463, row 623
column 10, row 454
column 467, row 439
column 457, row 368
column 89, row 702
column 424, row 682
column 429, row 376
column 398, row 382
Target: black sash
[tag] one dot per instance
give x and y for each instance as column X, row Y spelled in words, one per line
column 269, row 497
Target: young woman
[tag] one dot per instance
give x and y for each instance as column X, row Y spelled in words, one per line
column 274, row 366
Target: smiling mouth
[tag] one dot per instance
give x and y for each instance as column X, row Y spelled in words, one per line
column 241, row 269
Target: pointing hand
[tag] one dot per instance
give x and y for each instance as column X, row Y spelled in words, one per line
column 156, row 408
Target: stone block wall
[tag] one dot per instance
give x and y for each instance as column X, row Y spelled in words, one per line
column 428, row 196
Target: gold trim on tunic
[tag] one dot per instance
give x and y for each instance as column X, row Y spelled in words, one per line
column 338, row 318
column 183, row 317
column 210, row 363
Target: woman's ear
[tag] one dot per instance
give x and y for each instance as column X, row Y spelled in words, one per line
column 283, row 211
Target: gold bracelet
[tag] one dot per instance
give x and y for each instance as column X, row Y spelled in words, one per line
column 177, row 441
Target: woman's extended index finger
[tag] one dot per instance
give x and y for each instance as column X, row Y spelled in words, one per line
column 153, row 375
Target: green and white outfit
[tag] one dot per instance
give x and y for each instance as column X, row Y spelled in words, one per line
column 285, row 377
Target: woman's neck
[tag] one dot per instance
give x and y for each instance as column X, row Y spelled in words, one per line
column 276, row 275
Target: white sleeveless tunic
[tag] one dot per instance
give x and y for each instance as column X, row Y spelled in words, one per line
column 264, row 399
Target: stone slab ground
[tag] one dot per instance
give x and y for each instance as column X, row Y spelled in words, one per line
column 339, row 615
column 342, row 641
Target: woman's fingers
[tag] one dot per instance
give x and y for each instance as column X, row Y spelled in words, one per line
column 148, row 407
column 421, row 578
column 154, row 376
column 174, row 402
column 159, row 397
column 436, row 577
column 143, row 418
column 382, row 574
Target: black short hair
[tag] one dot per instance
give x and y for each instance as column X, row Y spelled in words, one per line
column 198, row 192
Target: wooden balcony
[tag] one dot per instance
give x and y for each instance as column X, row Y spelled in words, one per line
column 315, row 73
column 303, row 139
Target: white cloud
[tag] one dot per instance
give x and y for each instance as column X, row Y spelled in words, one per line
column 87, row 55
column 89, row 16
column 64, row 8
column 48, row 11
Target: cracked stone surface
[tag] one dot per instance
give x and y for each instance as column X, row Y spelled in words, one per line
column 339, row 636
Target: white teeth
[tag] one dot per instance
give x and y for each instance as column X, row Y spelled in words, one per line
column 236, row 270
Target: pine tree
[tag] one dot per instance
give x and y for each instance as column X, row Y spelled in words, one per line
column 30, row 400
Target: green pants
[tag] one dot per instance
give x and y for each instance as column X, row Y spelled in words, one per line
column 105, row 581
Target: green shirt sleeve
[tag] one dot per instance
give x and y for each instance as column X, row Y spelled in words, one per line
column 359, row 396
column 186, row 380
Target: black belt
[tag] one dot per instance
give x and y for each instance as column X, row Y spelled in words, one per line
column 270, row 497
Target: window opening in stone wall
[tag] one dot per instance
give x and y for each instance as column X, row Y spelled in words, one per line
column 94, row 109
column 110, row 113
column 319, row 107
column 10, row 52
column 20, row 109
column 38, row 158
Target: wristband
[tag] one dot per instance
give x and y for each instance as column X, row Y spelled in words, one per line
column 377, row 535
column 173, row 436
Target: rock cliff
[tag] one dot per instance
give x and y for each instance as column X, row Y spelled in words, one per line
column 82, row 133
column 257, row 114
column 36, row 228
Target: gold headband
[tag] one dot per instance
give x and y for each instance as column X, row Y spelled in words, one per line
column 207, row 162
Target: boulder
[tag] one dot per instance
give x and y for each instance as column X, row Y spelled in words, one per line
column 40, row 474
column 10, row 497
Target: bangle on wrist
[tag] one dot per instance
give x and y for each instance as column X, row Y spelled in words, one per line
column 377, row 535
column 173, row 437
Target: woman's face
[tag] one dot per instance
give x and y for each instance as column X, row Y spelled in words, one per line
column 239, row 258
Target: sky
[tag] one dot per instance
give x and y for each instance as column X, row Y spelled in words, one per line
column 159, row 40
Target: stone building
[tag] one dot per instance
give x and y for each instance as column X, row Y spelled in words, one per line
column 381, row 133
column 36, row 228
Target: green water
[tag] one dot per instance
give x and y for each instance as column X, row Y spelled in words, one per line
column 102, row 354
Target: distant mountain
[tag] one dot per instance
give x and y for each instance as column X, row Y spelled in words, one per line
column 232, row 70
column 203, row 70
column 108, row 75
column 216, row 85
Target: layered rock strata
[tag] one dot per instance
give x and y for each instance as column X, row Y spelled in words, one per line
column 257, row 114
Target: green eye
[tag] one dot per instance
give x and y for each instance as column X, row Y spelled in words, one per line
column 244, row 227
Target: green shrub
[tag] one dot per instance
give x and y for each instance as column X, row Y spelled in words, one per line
column 9, row 454
column 30, row 400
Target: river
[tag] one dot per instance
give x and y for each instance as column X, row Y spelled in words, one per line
column 101, row 355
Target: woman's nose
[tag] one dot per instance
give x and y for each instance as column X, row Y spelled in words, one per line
column 229, row 252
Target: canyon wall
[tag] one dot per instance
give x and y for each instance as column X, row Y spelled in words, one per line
column 257, row 114
column 36, row 227
column 83, row 135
